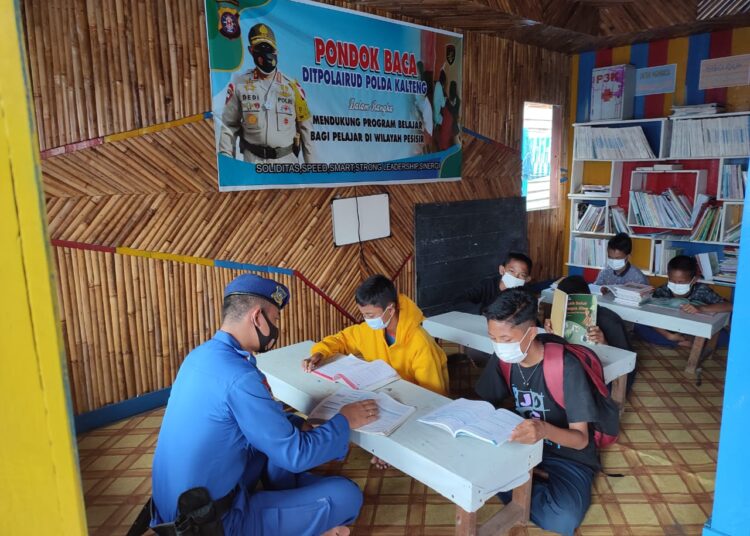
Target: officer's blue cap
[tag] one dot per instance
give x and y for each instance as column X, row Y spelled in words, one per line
column 254, row 285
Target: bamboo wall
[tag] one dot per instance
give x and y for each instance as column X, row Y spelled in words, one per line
column 104, row 70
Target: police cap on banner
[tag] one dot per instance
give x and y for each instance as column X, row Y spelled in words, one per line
column 254, row 285
column 261, row 33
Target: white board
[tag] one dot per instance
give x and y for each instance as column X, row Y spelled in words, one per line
column 357, row 219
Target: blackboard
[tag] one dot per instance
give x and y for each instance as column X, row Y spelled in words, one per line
column 459, row 244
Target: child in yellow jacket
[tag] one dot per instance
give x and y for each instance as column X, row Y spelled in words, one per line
column 392, row 331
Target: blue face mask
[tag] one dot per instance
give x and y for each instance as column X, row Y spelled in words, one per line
column 377, row 323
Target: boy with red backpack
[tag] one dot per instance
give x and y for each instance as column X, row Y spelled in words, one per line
column 559, row 388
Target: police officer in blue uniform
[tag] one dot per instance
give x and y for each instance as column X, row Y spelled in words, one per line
column 227, row 448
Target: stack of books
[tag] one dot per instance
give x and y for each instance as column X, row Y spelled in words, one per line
column 668, row 210
column 720, row 136
column 595, row 189
column 591, row 218
column 631, row 293
column 618, row 220
column 708, row 228
column 728, row 267
column 697, row 109
column 588, row 251
column 603, row 143
column 733, row 181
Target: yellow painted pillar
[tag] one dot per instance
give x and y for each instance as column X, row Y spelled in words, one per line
column 40, row 487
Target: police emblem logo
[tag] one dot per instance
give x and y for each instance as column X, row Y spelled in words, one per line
column 230, row 93
column 256, row 105
column 279, row 296
column 229, row 23
column 263, row 30
column 251, row 119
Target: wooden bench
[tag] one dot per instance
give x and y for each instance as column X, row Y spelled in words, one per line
column 466, row 471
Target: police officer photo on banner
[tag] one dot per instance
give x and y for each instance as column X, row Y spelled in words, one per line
column 306, row 94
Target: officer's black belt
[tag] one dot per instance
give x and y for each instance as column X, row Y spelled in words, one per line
column 220, row 507
column 267, row 153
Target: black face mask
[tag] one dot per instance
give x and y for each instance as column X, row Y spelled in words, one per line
column 266, row 342
column 265, row 59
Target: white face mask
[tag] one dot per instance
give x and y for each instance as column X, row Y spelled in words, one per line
column 377, row 323
column 617, row 264
column 679, row 289
column 511, row 281
column 510, row 352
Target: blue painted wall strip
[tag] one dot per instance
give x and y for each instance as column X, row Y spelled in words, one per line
column 699, row 48
column 586, row 62
column 639, row 58
column 477, row 135
column 253, row 267
column 122, row 410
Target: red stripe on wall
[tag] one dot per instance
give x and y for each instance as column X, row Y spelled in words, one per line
column 721, row 46
column 80, row 245
column 658, row 52
column 603, row 57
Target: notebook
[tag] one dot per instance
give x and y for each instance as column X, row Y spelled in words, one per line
column 358, row 373
column 392, row 413
column 474, row 418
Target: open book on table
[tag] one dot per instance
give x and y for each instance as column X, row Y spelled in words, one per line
column 358, row 373
column 392, row 414
column 474, row 418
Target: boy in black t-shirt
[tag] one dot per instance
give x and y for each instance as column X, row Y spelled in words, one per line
column 514, row 272
column 570, row 459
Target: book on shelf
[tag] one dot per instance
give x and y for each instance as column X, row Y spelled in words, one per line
column 618, row 220
column 631, row 293
column 719, row 136
column 474, row 418
column 572, row 315
column 700, row 202
column 733, row 181
column 391, row 414
column 604, row 143
column 708, row 228
column 669, row 209
column 588, row 251
column 708, row 264
column 733, row 233
column 358, row 373
column 663, row 253
column 668, row 167
column 697, row 109
column 591, row 218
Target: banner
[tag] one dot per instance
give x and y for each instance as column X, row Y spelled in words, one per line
column 305, row 94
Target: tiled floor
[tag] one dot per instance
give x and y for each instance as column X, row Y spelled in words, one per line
column 667, row 452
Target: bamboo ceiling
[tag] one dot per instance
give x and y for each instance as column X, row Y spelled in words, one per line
column 574, row 25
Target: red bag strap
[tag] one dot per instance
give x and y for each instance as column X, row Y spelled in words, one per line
column 553, row 372
column 505, row 371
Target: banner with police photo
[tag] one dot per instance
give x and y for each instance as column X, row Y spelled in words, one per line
column 305, row 94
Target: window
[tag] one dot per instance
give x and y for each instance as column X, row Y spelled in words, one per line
column 540, row 153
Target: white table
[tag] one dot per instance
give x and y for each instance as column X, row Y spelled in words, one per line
column 702, row 326
column 471, row 330
column 466, row 471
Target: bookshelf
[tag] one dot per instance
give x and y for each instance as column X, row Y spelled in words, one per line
column 706, row 181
